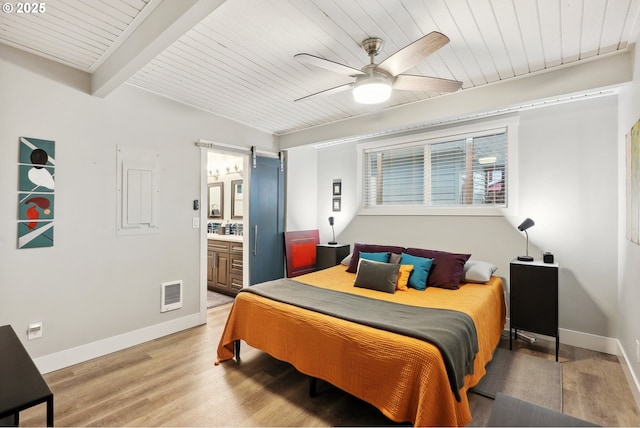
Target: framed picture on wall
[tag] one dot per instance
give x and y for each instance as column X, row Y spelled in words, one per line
column 337, row 188
column 336, row 204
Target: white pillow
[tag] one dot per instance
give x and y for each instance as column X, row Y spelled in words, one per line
column 346, row 260
column 477, row 271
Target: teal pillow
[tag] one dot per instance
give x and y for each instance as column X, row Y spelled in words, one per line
column 376, row 257
column 420, row 273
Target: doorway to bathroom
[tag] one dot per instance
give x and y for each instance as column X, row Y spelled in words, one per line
column 225, row 220
column 245, row 202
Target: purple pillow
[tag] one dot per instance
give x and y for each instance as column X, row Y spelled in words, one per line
column 447, row 268
column 369, row 248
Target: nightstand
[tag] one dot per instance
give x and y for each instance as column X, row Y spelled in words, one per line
column 328, row 255
column 533, row 302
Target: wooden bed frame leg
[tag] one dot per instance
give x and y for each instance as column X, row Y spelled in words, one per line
column 312, row 386
column 236, row 349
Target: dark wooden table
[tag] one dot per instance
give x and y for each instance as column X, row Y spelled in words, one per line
column 21, row 384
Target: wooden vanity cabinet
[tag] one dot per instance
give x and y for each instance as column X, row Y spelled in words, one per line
column 235, row 267
column 224, row 266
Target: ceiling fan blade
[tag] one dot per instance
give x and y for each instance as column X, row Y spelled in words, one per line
column 411, row 54
column 335, row 90
column 327, row 64
column 408, row 82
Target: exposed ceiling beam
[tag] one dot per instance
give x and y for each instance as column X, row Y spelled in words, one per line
column 606, row 72
column 168, row 22
column 55, row 71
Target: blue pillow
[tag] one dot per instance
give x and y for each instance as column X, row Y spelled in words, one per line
column 376, row 257
column 420, row 273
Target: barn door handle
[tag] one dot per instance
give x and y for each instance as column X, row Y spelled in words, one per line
column 255, row 240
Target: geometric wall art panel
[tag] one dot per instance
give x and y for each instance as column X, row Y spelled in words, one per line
column 37, row 152
column 36, row 178
column 35, row 234
column 35, row 206
column 36, row 185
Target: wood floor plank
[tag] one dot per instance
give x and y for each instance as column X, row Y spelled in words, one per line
column 173, row 381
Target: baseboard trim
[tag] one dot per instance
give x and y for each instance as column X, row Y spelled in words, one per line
column 625, row 362
column 79, row 354
column 589, row 341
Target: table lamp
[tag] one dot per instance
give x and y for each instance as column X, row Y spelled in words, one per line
column 333, row 242
column 526, row 224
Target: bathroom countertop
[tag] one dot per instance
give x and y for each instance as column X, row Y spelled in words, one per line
column 234, row 238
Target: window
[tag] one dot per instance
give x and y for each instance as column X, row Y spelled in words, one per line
column 467, row 173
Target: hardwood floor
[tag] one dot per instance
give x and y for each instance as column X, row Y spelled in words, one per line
column 173, row 381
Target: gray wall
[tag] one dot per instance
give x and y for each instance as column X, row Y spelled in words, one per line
column 92, row 285
column 629, row 253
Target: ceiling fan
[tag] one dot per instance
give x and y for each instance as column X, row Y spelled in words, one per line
column 374, row 82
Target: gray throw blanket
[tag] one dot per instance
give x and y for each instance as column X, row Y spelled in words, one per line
column 452, row 332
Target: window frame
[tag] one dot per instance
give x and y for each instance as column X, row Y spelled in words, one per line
column 439, row 135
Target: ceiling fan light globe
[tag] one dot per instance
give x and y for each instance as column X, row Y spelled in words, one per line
column 372, row 91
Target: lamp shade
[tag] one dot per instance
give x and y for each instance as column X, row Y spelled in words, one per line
column 526, row 224
column 372, row 90
column 333, row 232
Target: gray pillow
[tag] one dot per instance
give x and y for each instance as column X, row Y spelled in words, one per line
column 395, row 258
column 477, row 271
column 377, row 276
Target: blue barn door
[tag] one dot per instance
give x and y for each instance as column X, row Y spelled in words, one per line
column 266, row 221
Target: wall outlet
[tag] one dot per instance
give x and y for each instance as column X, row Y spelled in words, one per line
column 637, row 351
column 196, row 222
column 34, row 331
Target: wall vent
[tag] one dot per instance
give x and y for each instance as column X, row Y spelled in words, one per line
column 171, row 296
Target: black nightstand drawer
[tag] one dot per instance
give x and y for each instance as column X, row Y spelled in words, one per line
column 533, row 303
column 534, row 299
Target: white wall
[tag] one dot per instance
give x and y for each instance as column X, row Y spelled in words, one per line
column 568, row 185
column 629, row 253
column 565, row 152
column 93, row 287
column 301, row 184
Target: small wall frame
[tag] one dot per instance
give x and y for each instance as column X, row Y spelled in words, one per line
column 337, row 187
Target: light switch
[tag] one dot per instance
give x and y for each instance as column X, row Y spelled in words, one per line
column 34, row 331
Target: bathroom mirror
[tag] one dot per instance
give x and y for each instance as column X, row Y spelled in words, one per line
column 236, row 199
column 216, row 200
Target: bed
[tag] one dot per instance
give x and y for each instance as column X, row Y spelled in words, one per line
column 405, row 377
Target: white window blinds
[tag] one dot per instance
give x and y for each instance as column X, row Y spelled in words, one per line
column 461, row 171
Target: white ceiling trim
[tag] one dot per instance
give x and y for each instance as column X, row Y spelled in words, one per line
column 475, row 116
column 602, row 74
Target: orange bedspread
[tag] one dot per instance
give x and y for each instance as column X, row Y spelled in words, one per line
column 403, row 377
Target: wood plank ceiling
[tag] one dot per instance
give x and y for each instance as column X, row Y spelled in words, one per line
column 79, row 34
column 237, row 62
